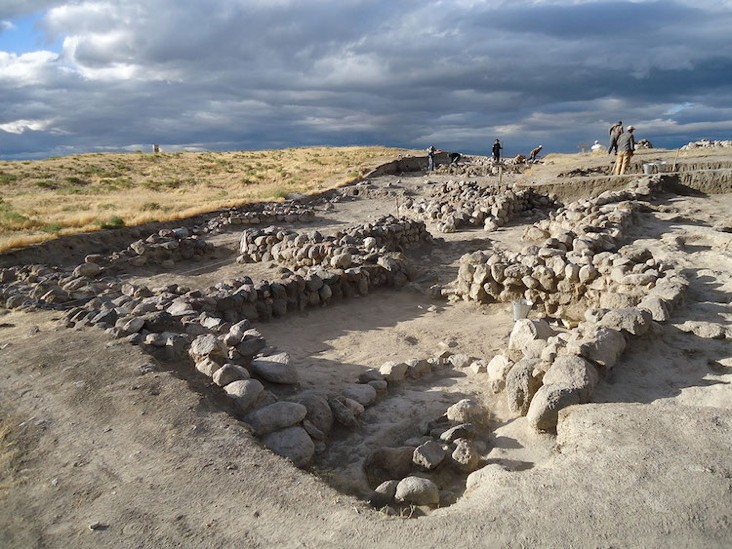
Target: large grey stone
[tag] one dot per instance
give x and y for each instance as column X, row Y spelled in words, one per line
column 633, row 320
column 319, row 411
column 292, row 443
column 207, row 345
column 521, row 384
column 87, row 269
column 393, row 371
column 464, row 430
column 362, row 393
column 275, row 417
column 251, row 343
column 599, row 344
column 659, row 308
column 275, row 369
column 208, row 367
column 573, row 371
column 497, row 370
column 244, row 392
column 526, row 331
column 429, row 455
column 467, row 410
column 236, row 333
column 465, row 457
column 548, row 400
column 229, row 373
column 416, row 490
column 384, row 493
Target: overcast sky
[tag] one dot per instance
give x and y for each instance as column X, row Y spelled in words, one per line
column 115, row 75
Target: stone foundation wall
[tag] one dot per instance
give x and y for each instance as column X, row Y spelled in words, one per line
column 577, row 260
column 453, row 205
column 266, row 213
column 359, row 245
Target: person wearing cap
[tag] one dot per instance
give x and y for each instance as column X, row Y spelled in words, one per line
column 616, row 130
column 626, row 147
column 534, row 152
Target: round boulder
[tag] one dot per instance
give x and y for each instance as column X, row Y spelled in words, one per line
column 416, row 490
column 292, row 443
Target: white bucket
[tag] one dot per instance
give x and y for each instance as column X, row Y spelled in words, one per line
column 521, row 308
column 648, row 169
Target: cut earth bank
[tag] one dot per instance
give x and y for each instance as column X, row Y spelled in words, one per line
column 108, row 443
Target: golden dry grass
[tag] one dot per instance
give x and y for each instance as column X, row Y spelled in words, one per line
column 44, row 198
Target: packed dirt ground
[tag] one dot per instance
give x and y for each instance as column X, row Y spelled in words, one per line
column 104, row 445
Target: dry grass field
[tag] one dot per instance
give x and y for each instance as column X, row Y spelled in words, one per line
column 44, row 198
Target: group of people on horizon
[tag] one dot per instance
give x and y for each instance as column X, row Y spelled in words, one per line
column 622, row 143
column 455, row 157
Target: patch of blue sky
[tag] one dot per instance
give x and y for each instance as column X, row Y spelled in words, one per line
column 676, row 109
column 25, row 34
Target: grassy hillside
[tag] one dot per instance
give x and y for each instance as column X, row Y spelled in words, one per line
column 43, row 198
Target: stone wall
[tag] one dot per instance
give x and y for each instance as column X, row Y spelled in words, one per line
column 358, row 245
column 578, row 256
column 457, row 204
column 263, row 213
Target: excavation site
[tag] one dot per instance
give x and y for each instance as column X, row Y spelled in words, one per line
column 502, row 356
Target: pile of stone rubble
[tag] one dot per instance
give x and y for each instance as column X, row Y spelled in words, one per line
column 261, row 213
column 457, row 204
column 706, row 144
column 577, row 261
column 358, row 245
column 164, row 249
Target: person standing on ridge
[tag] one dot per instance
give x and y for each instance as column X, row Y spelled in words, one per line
column 626, row 147
column 497, row 151
column 431, row 150
column 616, row 130
column 534, row 153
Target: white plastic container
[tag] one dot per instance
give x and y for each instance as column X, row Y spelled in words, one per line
column 648, row 169
column 521, row 308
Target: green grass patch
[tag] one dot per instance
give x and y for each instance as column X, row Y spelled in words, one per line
column 164, row 185
column 52, row 228
column 279, row 194
column 6, row 178
column 114, row 222
column 13, row 220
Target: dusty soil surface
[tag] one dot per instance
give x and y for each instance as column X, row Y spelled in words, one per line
column 102, row 445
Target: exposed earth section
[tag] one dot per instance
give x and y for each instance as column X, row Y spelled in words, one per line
column 347, row 370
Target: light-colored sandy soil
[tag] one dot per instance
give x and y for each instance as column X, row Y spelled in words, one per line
column 100, row 450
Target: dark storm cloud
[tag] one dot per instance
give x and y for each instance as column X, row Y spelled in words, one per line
column 228, row 74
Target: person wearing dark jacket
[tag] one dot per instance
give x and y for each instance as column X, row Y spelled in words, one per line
column 454, row 158
column 497, row 151
column 616, row 130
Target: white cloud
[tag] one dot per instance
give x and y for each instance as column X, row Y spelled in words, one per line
column 262, row 73
column 19, row 127
column 26, row 69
